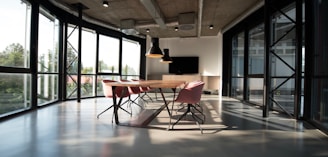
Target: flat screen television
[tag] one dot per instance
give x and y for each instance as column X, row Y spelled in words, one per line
column 184, row 65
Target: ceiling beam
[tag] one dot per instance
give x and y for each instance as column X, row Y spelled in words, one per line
column 200, row 14
column 154, row 10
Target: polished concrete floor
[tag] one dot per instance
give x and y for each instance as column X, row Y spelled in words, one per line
column 232, row 129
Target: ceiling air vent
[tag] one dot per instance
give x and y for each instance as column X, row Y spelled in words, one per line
column 128, row 27
column 186, row 21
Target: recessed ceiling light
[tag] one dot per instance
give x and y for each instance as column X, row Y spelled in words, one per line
column 176, row 28
column 211, row 27
column 105, row 4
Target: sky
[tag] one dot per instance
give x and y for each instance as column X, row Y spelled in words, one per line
column 12, row 20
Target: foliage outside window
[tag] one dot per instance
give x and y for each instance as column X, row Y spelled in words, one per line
column 109, row 50
column 15, row 88
column 130, row 59
column 48, row 58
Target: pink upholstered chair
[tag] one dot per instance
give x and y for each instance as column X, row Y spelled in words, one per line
column 144, row 91
column 133, row 90
column 191, row 95
column 108, row 93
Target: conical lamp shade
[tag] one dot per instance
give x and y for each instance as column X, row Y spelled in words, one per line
column 155, row 51
column 166, row 58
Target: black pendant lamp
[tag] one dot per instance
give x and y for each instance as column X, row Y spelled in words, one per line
column 155, row 51
column 166, row 58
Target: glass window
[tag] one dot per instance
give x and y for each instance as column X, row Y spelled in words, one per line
column 88, row 59
column 105, row 77
column 237, row 83
column 255, row 90
column 238, row 55
column 88, row 62
column 256, row 50
column 130, row 58
column 109, row 50
column 319, row 91
column 15, row 92
column 15, row 34
column 48, row 58
column 283, row 66
column 87, row 85
column 237, row 87
column 256, row 65
column 72, row 61
column 47, row 88
column 15, row 88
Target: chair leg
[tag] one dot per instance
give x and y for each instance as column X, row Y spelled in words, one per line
column 146, row 94
column 113, row 114
column 183, row 115
column 200, row 128
column 125, row 109
column 199, row 111
column 194, row 116
column 197, row 117
column 104, row 111
column 132, row 101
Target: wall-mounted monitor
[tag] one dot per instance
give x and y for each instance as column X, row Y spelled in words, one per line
column 184, row 65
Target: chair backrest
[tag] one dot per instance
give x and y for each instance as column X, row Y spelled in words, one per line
column 142, row 89
column 132, row 90
column 108, row 92
column 191, row 93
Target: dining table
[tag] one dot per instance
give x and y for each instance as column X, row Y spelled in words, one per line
column 154, row 84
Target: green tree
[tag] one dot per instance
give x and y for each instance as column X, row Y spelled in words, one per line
column 11, row 87
column 13, row 55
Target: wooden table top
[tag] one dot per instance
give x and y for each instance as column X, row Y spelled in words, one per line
column 149, row 83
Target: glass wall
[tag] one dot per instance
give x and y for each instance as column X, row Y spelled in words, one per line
column 48, row 52
column 72, row 61
column 319, row 104
column 237, row 80
column 247, row 50
column 15, row 76
column 115, row 56
column 283, row 58
column 15, row 35
column 130, row 59
column 109, row 54
column 256, row 64
column 108, row 60
column 88, row 63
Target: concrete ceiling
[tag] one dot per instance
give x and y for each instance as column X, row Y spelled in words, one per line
column 192, row 17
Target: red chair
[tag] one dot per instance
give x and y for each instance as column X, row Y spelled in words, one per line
column 108, row 93
column 133, row 90
column 191, row 95
column 145, row 91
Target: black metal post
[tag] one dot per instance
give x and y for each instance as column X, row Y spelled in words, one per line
column 61, row 63
column 267, row 60
column 79, row 55
column 34, row 54
column 298, row 60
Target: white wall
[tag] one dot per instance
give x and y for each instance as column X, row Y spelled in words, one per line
column 208, row 49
